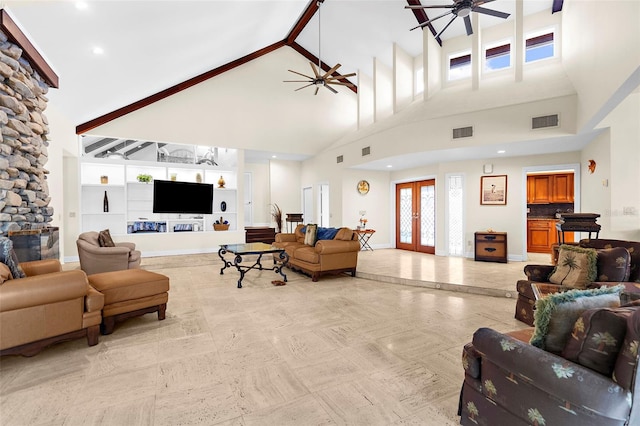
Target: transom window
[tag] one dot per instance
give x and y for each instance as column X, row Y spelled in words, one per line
column 498, row 57
column 460, row 66
column 539, row 47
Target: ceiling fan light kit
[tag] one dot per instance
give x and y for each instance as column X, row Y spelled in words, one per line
column 459, row 9
column 321, row 80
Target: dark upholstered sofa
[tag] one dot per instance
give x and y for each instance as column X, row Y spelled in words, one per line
column 510, row 382
column 336, row 255
column 525, row 304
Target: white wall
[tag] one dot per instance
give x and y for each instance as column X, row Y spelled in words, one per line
column 63, row 148
column 285, row 188
column 601, row 49
column 624, row 132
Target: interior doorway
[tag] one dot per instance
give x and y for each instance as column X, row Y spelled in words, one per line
column 416, row 216
column 248, row 195
column 307, row 204
column 324, row 205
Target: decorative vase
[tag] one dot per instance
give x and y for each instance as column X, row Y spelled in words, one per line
column 198, row 178
column 104, row 179
column 221, row 182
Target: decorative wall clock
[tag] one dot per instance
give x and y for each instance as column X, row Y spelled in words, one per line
column 363, row 187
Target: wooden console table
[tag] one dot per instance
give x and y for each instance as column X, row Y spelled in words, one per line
column 491, row 246
column 260, row 234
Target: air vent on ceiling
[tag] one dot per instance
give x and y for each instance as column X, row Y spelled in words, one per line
column 463, row 132
column 366, row 151
column 339, row 159
column 545, row 121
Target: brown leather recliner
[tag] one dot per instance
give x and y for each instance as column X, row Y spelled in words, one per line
column 95, row 259
column 47, row 306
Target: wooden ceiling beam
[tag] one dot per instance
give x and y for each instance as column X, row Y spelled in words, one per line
column 421, row 16
column 103, row 119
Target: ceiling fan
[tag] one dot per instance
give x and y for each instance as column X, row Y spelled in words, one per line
column 459, row 8
column 326, row 79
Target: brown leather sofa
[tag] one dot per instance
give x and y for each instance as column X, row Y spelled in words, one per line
column 327, row 256
column 510, row 382
column 95, row 259
column 539, row 274
column 47, row 306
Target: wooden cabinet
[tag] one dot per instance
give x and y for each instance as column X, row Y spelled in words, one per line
column 539, row 189
column 542, row 234
column 491, row 246
column 550, row 188
column 562, row 185
column 260, row 234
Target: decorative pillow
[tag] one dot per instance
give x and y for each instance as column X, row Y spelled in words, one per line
column 5, row 273
column 9, row 258
column 104, row 239
column 556, row 314
column 327, row 233
column 613, row 264
column 311, row 235
column 597, row 337
column 623, row 373
column 576, row 267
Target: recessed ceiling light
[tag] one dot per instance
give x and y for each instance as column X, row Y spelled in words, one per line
column 81, row 5
column 97, row 50
column 502, row 151
column 274, row 156
column 389, row 166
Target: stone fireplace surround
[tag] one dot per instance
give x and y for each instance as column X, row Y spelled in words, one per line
column 24, row 193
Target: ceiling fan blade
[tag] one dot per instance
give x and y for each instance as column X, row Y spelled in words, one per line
column 419, row 6
column 495, row 13
column 467, row 25
column 300, row 88
column 340, row 77
column 425, row 23
column 315, row 69
column 317, row 88
column 297, row 81
column 447, row 26
column 331, row 71
column 299, row 73
column 331, row 88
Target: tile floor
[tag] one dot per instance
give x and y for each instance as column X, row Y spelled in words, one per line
column 343, row 351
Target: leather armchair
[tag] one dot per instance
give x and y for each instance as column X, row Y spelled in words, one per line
column 95, row 259
column 47, row 306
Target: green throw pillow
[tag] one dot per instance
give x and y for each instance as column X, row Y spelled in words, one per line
column 576, row 267
column 556, row 314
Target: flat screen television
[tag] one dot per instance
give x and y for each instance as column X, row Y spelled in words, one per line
column 182, row 197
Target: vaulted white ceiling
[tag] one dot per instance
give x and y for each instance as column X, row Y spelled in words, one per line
column 152, row 45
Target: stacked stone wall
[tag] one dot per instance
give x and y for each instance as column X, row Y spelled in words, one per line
column 24, row 193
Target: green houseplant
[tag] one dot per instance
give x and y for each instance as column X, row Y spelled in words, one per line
column 144, row 178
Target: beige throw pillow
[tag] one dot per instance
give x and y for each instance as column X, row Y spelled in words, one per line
column 311, row 235
column 576, row 267
column 5, row 273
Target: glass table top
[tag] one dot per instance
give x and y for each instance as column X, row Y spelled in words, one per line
column 250, row 248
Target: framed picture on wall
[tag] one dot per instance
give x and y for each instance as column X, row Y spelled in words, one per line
column 493, row 190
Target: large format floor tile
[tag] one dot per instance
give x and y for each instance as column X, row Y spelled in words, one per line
column 342, row 351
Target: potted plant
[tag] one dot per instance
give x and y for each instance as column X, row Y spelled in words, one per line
column 276, row 214
column 144, row 178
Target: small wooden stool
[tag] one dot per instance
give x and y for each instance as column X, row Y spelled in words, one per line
column 130, row 293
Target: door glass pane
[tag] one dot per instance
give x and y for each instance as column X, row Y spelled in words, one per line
column 427, row 216
column 456, row 240
column 406, row 209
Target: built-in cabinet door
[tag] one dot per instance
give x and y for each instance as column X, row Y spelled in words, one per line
column 540, row 236
column 539, row 189
column 415, row 216
column 562, row 188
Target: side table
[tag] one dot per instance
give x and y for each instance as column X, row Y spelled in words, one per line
column 363, row 236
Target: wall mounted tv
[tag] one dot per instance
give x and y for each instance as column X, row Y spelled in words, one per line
column 182, row 197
